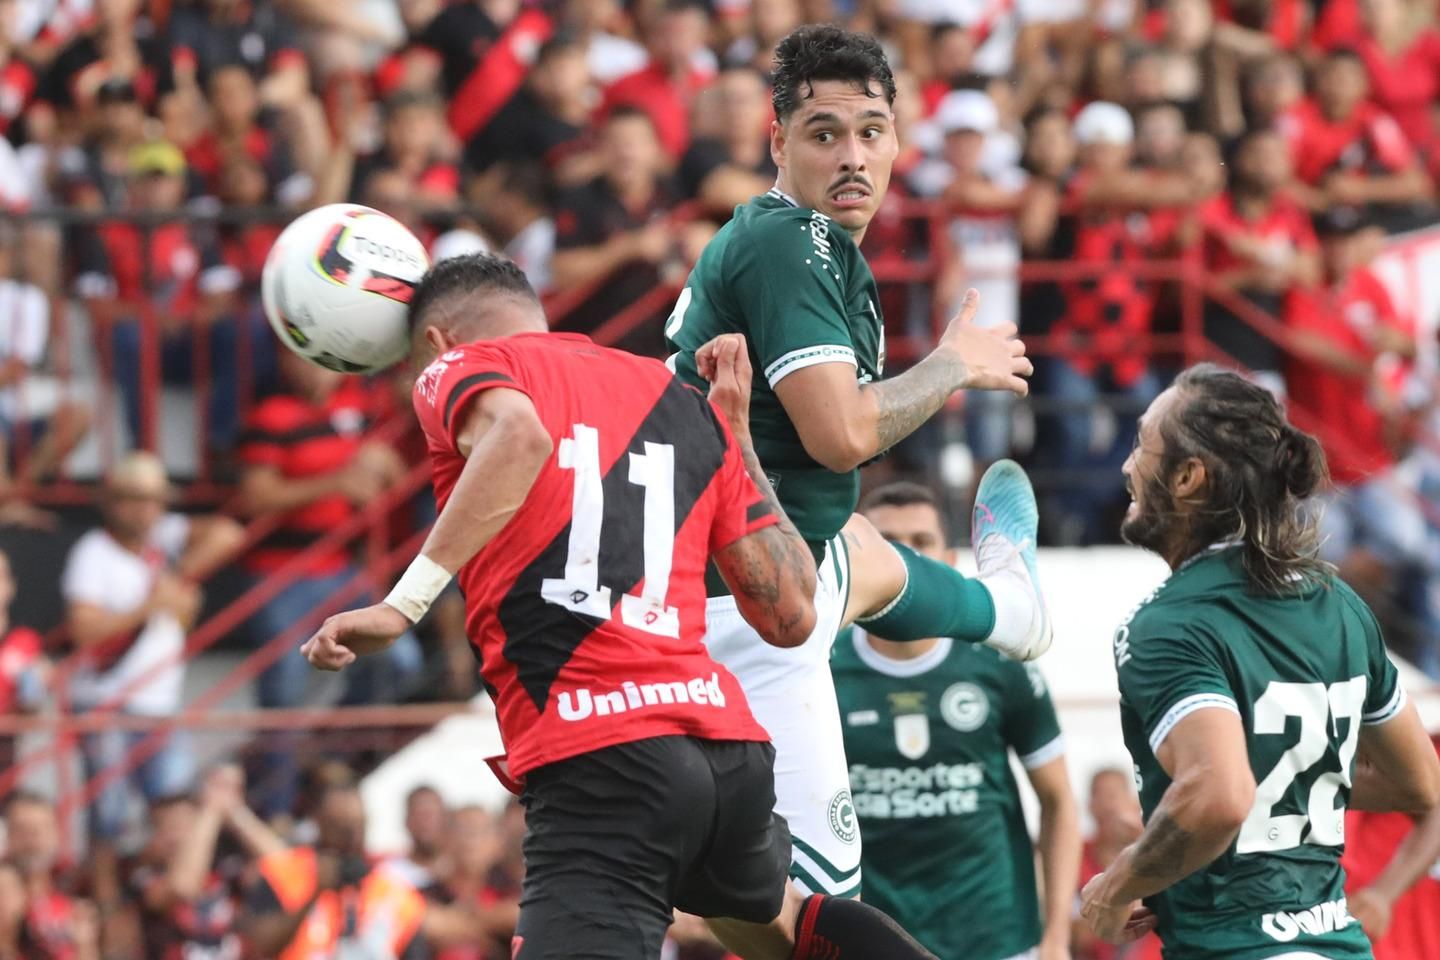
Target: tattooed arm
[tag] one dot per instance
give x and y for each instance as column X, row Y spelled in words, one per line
column 842, row 423
column 1211, row 793
column 770, row 572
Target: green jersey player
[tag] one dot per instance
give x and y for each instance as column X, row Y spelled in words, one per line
column 1257, row 699
column 786, row 273
column 929, row 730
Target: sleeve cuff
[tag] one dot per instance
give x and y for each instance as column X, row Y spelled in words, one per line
column 808, row 357
column 1183, row 708
column 1389, row 712
column 1038, row 758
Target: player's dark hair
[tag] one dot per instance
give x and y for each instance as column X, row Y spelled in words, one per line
column 819, row 52
column 1260, row 469
column 901, row 493
column 466, row 275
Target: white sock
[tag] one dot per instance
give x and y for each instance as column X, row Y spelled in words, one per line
column 1014, row 605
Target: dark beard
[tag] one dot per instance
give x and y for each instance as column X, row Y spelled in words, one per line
column 1154, row 525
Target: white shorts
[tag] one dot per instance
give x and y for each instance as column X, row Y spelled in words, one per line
column 792, row 694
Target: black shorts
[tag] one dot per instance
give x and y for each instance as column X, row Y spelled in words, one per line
column 617, row 838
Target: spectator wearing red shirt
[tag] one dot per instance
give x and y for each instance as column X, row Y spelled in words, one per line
column 1115, row 809
column 545, row 120
column 1107, row 313
column 306, row 457
column 1258, row 243
column 1345, row 334
column 1347, row 151
column 665, row 87
column 415, row 148
column 55, row 926
column 188, row 897
column 1392, row 882
column 174, row 276
column 1404, row 68
column 240, row 127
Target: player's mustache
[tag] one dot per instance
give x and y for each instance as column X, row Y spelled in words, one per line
column 857, row 180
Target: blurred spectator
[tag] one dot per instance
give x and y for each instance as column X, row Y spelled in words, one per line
column 415, row 148
column 241, row 128
column 98, row 174
column 477, row 846
column 665, row 87
column 1347, row 337
column 1348, row 152
column 210, row 35
column 174, row 277
column 1258, row 243
column 24, row 669
column 55, row 925
column 1404, row 67
column 188, row 894
column 427, row 822
column 327, row 900
column 131, row 594
column 729, row 160
column 984, row 198
column 39, row 423
column 615, row 227
column 1263, row 94
column 308, row 458
column 609, row 54
column 486, row 48
column 1107, row 313
column 769, row 23
column 1159, row 136
column 546, row 118
column 1115, row 811
column 517, row 207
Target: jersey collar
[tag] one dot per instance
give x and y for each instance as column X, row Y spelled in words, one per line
column 880, row 663
column 1209, row 551
column 776, row 193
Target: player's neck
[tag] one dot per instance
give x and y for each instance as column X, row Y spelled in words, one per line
column 909, row 650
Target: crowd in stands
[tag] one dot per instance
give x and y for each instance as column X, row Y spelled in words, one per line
column 153, row 149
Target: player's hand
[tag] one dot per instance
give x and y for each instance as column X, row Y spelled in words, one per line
column 654, row 242
column 994, row 359
column 1372, row 909
column 1113, row 922
column 345, row 636
column 224, row 788
column 725, row 362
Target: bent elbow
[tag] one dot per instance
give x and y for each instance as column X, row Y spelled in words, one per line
column 838, row 455
column 1229, row 807
column 792, row 628
column 529, row 441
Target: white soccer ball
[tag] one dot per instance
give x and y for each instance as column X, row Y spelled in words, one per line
column 337, row 285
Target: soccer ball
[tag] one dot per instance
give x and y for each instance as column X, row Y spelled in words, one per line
column 337, row 285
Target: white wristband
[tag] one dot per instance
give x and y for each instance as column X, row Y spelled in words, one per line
column 418, row 588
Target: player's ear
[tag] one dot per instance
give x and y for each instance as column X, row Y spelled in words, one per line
column 1189, row 479
column 777, row 143
column 439, row 340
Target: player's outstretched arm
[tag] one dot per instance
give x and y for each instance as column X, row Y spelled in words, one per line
column 770, row 572
column 842, row 424
column 1211, row 792
column 1396, row 767
column 505, row 445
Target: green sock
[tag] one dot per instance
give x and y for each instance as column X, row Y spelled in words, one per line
column 938, row 601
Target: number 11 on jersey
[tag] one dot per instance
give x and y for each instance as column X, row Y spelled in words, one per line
column 579, row 590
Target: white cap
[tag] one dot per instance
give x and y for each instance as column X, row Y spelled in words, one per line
column 966, row 110
column 457, row 243
column 1102, row 122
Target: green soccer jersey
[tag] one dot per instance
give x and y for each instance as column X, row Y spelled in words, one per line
column 946, row 850
column 794, row 283
column 1304, row 673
